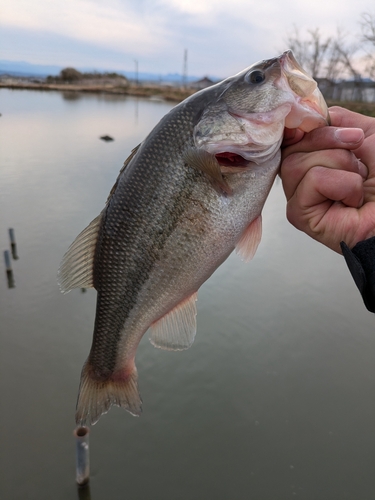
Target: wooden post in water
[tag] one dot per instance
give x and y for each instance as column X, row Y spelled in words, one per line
column 8, row 265
column 13, row 245
column 9, row 270
column 82, row 455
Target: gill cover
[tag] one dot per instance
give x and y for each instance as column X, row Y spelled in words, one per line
column 249, row 116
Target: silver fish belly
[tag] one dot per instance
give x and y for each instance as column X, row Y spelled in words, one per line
column 190, row 194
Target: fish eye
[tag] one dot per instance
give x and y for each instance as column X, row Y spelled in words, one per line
column 256, row 77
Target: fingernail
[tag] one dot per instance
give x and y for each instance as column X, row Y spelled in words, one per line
column 362, row 169
column 353, row 135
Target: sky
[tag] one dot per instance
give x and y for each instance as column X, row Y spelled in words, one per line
column 222, row 37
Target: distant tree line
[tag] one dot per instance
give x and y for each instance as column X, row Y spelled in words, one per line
column 72, row 75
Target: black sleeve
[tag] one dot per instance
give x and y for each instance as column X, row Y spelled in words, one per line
column 361, row 262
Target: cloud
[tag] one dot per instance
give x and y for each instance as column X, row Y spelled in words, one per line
column 107, row 24
column 222, row 36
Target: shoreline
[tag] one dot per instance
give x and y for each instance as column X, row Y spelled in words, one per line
column 175, row 94
column 167, row 93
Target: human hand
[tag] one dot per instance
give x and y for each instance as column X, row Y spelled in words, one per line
column 329, row 179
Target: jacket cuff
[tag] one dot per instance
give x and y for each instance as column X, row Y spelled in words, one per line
column 361, row 263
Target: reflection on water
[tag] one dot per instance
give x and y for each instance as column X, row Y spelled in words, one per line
column 71, row 96
column 8, row 269
column 8, row 256
column 84, row 492
column 275, row 399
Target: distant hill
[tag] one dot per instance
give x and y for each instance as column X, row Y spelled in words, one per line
column 22, row 68
column 25, row 69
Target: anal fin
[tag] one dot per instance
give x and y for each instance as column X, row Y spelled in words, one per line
column 250, row 239
column 176, row 330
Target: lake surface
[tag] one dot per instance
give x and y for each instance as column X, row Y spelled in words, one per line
column 274, row 400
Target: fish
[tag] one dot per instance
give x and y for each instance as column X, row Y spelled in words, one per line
column 189, row 195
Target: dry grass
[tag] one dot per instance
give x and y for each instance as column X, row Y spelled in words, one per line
column 365, row 108
column 175, row 94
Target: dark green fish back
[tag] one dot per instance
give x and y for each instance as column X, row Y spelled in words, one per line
column 148, row 201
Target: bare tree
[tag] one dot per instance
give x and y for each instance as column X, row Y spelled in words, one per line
column 345, row 53
column 333, row 67
column 318, row 51
column 309, row 52
column 368, row 27
column 331, row 58
column 367, row 24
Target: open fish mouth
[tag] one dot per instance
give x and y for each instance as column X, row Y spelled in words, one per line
column 306, row 94
column 234, row 163
column 280, row 95
column 231, row 160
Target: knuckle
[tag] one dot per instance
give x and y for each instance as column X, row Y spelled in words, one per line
column 292, row 161
column 294, row 215
column 345, row 156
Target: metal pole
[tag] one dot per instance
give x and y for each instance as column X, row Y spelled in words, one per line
column 184, row 69
column 9, row 270
column 82, row 455
column 136, row 71
column 13, row 245
column 8, row 265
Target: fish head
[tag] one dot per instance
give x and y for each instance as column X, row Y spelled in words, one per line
column 252, row 108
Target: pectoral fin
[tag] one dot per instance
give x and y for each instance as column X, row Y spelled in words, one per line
column 176, row 330
column 250, row 239
column 208, row 164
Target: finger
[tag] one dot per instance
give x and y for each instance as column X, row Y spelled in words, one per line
column 325, row 206
column 326, row 138
column 344, row 117
column 295, row 167
column 341, row 117
column 321, row 184
column 291, row 136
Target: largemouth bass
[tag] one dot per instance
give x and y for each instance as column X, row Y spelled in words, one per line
column 186, row 197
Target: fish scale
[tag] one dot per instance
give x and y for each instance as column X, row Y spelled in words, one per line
column 179, row 207
column 129, row 205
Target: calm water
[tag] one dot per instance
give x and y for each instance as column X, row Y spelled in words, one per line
column 276, row 398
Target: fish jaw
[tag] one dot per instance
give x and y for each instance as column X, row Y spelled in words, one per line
column 248, row 119
column 309, row 109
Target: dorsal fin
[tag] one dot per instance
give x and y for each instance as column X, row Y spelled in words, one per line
column 207, row 163
column 76, row 269
column 126, row 163
column 250, row 239
column 176, row 330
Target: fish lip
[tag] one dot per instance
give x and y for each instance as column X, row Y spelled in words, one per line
column 301, row 83
column 288, row 57
column 265, row 116
column 303, row 86
column 253, row 151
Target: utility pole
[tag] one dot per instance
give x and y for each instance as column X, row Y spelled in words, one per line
column 185, row 69
column 136, row 71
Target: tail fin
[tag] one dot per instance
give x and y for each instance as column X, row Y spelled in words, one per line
column 96, row 397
